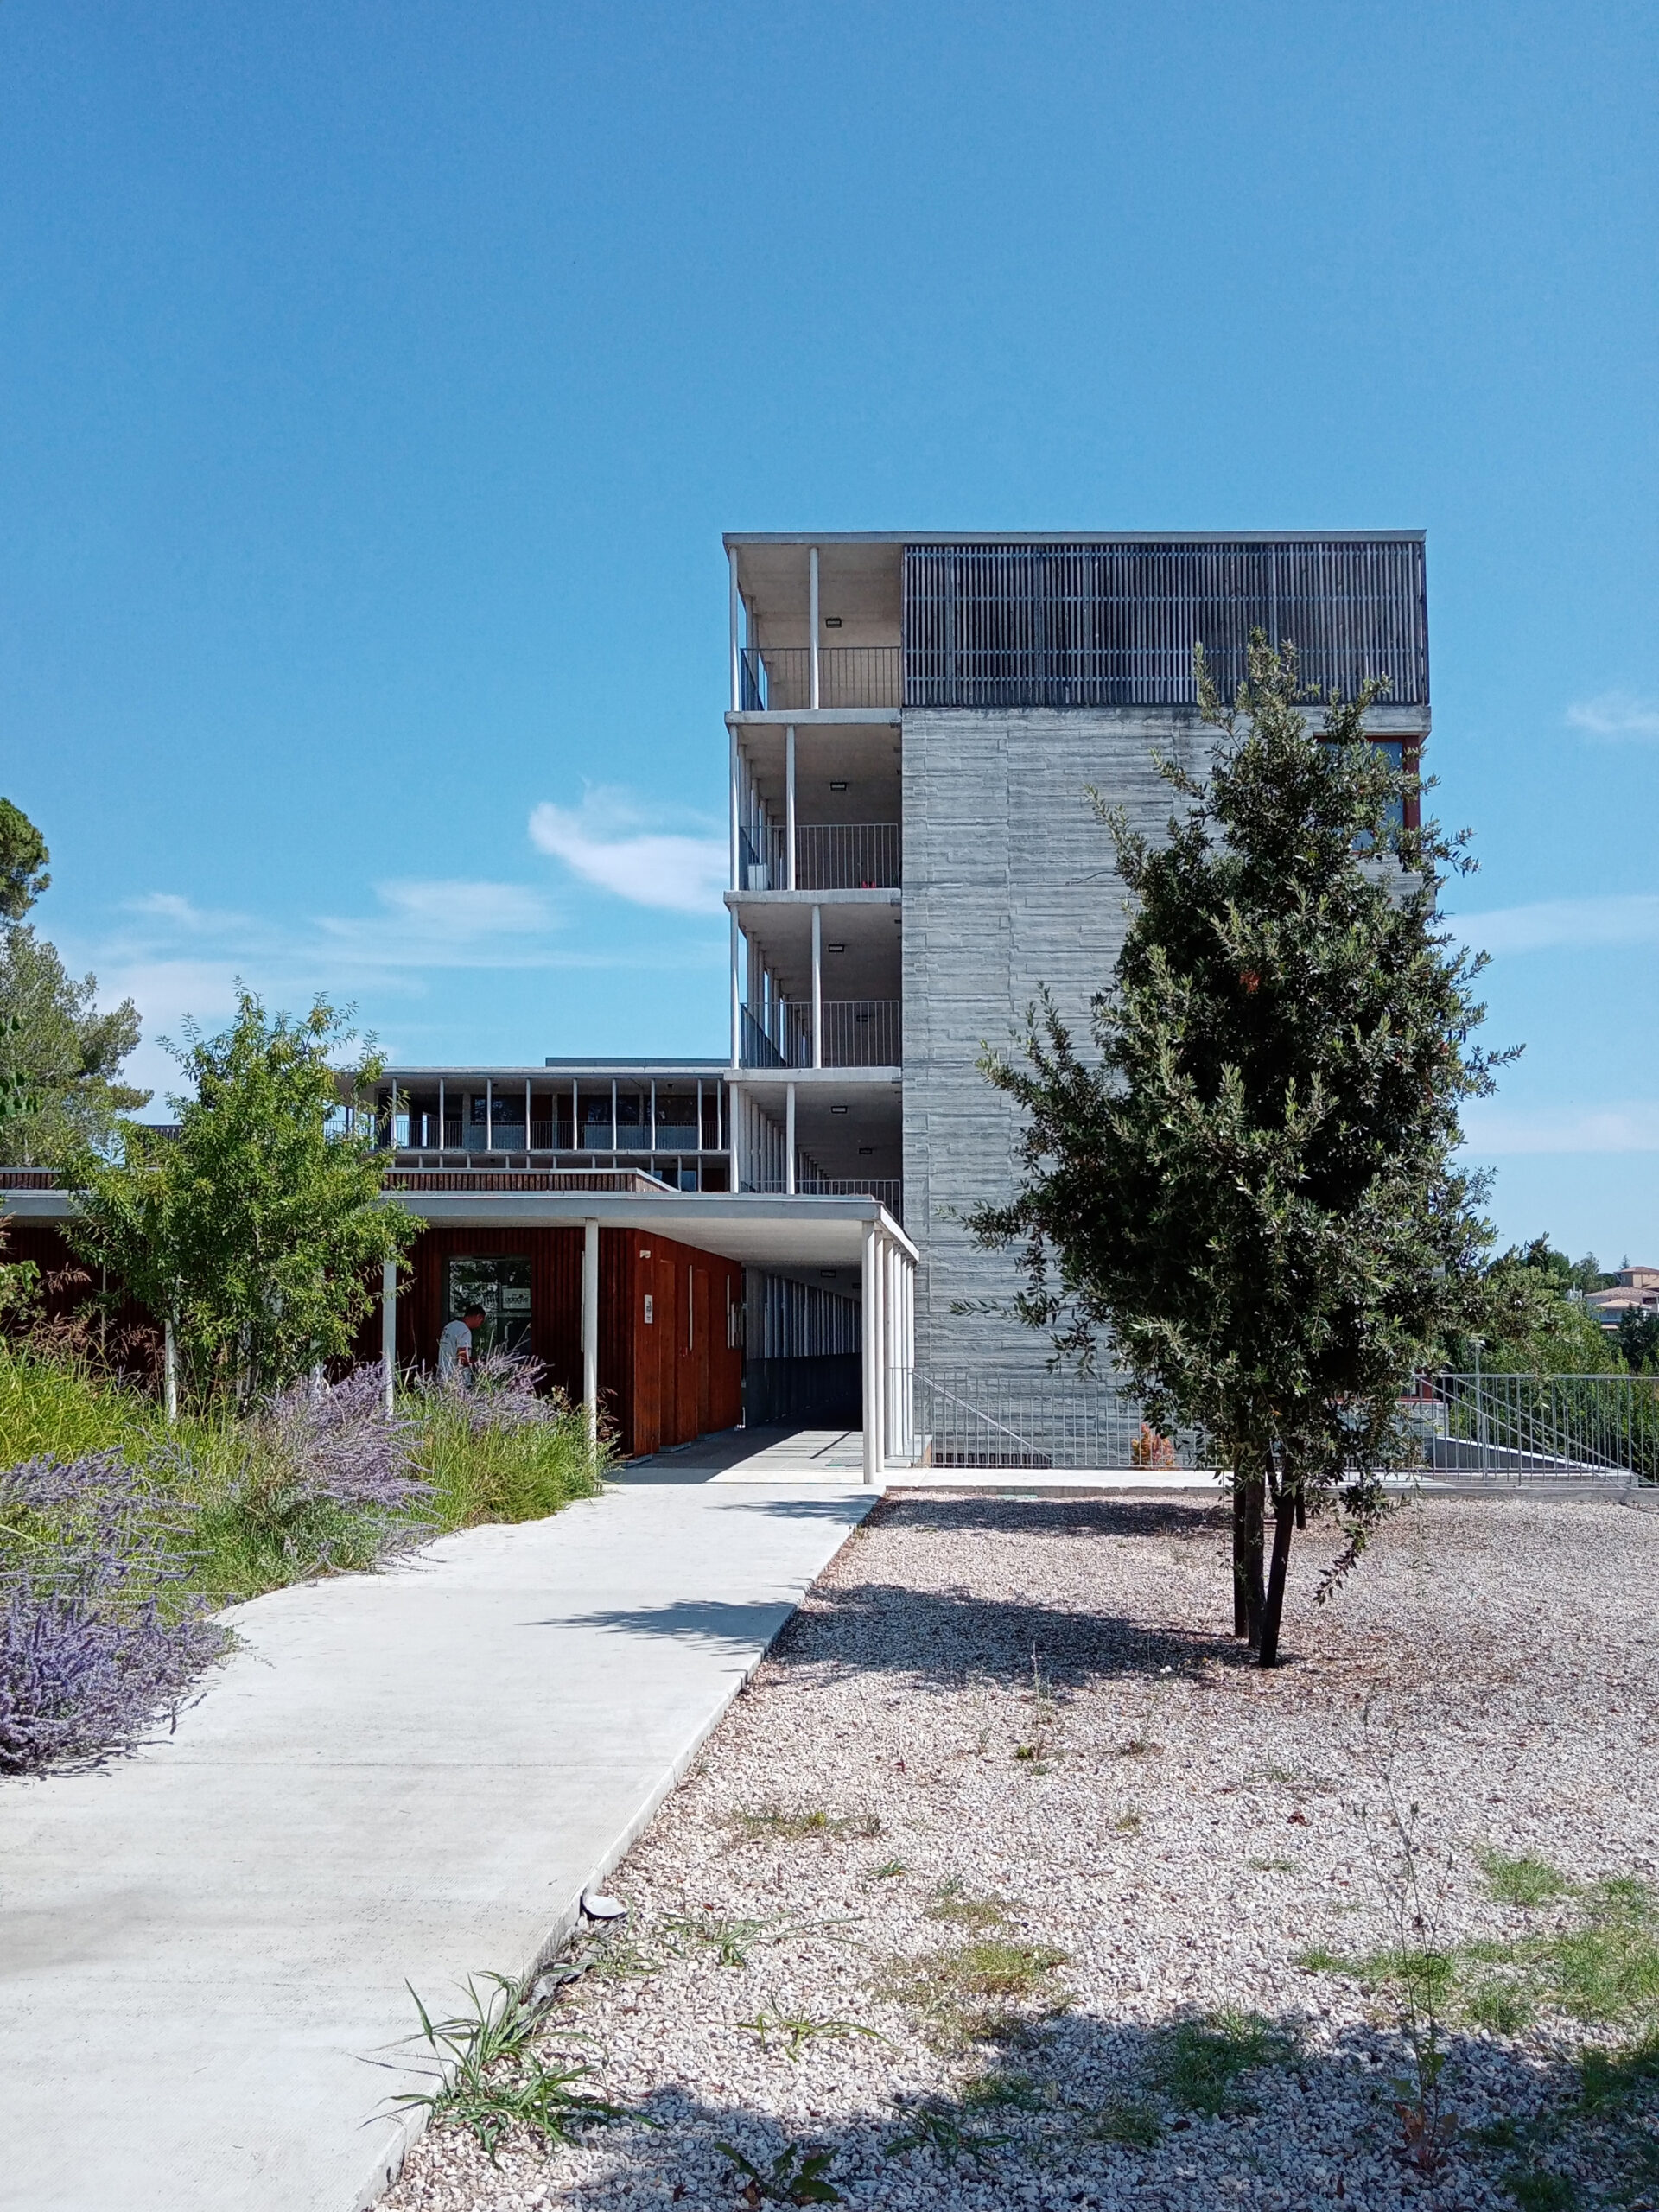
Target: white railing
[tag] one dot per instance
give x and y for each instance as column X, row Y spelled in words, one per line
column 847, row 856
column 861, row 1033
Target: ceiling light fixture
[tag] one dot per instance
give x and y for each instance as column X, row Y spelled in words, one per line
column 834, row 948
column 838, row 1110
column 832, row 621
column 866, row 1151
column 837, row 787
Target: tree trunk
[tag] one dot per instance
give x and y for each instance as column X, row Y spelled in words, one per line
column 1241, row 1554
column 1284, row 1527
column 1250, row 1493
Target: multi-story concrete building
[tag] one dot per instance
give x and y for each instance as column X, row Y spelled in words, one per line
column 915, row 724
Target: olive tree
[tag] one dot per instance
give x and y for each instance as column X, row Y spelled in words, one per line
column 1250, row 1188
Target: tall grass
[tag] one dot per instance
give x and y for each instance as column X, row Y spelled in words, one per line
column 249, row 1531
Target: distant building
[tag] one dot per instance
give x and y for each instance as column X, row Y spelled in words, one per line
column 1636, row 1290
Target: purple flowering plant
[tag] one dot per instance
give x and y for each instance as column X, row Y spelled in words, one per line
column 101, row 1639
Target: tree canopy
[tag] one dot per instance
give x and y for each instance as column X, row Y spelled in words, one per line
column 1532, row 1323
column 60, row 1058
column 1250, row 1190
column 23, row 857
column 259, row 1231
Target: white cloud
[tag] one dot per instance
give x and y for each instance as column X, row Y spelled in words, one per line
column 1626, row 917
column 445, row 924
column 183, row 913
column 607, row 841
column 1616, row 714
column 1619, row 1125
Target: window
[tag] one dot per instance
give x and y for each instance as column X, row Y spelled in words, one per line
column 500, row 1284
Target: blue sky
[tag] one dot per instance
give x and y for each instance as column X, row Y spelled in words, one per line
column 378, row 381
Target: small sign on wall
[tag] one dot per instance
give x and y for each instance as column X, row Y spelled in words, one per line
column 649, row 1315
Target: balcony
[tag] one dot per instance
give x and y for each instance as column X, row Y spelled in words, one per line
column 777, row 679
column 829, row 857
column 857, row 1034
column 886, row 1190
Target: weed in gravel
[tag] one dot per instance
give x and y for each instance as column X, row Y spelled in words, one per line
column 950, row 1900
column 1522, row 1881
column 771, row 1823
column 796, row 2175
column 1127, row 1822
column 731, row 1941
column 1537, row 2188
column 972, row 1993
column 1198, row 2063
column 1004, row 2093
column 935, row 2125
column 496, row 2080
column 795, row 2030
column 888, row 1871
column 1124, row 2119
column 1272, row 1866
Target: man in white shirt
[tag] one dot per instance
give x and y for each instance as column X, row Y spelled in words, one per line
column 455, row 1345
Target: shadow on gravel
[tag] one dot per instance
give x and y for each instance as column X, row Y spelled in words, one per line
column 1077, row 2111
column 951, row 1636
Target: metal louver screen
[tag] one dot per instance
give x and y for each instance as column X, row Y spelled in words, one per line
column 1115, row 624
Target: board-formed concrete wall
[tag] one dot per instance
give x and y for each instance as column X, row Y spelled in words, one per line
column 1008, row 886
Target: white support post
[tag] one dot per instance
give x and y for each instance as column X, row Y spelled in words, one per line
column 818, row 987
column 737, row 795
column 789, row 807
column 529, row 1124
column 576, row 1118
column 737, row 694
column 732, row 1111
column 789, row 1140
column 737, row 995
column 489, row 1113
column 872, row 1330
column 440, row 1121
column 169, row 1373
column 612, row 1121
column 389, row 1332
column 812, row 610
column 590, row 1329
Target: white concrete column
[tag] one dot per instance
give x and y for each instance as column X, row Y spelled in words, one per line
column 789, row 807
column 612, row 1121
column 440, row 1121
column 871, row 1329
column 789, row 1140
column 590, row 1328
column 737, row 694
column 489, row 1114
column 812, row 606
column 389, row 1330
column 736, row 769
column 732, row 1112
column 737, row 995
column 818, row 987
column 169, row 1373
column 575, row 1116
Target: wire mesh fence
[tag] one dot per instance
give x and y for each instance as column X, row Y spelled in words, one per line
column 1588, row 1427
column 975, row 1420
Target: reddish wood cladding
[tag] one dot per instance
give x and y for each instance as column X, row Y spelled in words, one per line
column 661, row 1382
column 67, row 1281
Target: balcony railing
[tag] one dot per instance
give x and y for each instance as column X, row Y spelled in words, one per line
column 829, row 857
column 857, row 1034
column 777, row 679
column 886, row 1190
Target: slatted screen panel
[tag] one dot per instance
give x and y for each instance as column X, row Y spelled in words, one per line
column 1115, row 624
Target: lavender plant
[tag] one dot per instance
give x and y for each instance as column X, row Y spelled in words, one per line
column 323, row 1481
column 100, row 1640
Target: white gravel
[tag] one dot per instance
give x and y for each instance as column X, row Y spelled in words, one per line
column 1185, row 1828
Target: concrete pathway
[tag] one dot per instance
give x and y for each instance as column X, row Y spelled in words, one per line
column 405, row 1776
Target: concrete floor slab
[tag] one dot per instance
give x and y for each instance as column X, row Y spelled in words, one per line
column 409, row 1777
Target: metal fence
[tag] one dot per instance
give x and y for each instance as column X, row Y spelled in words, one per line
column 1573, row 1428
column 777, row 679
column 970, row 1419
column 1585, row 1427
column 887, row 1190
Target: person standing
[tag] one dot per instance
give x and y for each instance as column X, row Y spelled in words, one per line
column 455, row 1345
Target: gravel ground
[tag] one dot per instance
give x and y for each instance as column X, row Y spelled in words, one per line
column 1013, row 1724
